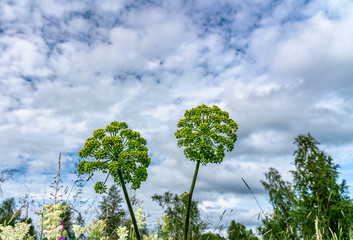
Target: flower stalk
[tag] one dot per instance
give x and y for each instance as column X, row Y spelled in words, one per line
column 131, row 211
column 206, row 133
column 187, row 219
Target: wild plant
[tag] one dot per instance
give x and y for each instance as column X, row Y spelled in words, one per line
column 205, row 132
column 17, row 232
column 51, row 224
column 120, row 152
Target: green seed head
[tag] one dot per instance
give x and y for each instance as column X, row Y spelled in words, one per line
column 206, row 133
column 113, row 149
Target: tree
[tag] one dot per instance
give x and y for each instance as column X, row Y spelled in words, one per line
column 238, row 231
column 211, row 236
column 319, row 195
column 282, row 198
column 175, row 210
column 111, row 209
column 314, row 202
column 205, row 132
column 10, row 215
column 120, row 152
column 7, row 211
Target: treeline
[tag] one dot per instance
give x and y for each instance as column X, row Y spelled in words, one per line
column 314, row 205
column 110, row 209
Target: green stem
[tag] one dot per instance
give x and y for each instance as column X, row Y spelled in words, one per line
column 42, row 226
column 129, row 206
column 186, row 228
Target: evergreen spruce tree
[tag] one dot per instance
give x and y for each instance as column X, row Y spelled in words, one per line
column 111, row 204
column 7, row 210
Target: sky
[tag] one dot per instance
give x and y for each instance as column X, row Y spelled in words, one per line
column 279, row 68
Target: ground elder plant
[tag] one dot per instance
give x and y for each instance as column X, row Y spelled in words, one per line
column 206, row 133
column 120, row 152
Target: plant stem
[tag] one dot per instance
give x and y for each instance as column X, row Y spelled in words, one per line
column 42, row 227
column 57, row 181
column 129, row 206
column 186, row 228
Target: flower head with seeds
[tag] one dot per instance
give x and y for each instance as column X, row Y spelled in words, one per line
column 116, row 148
column 206, row 132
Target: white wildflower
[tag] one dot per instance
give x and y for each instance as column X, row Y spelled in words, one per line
column 78, row 230
column 140, row 217
column 122, row 233
column 18, row 232
column 96, row 229
column 51, row 221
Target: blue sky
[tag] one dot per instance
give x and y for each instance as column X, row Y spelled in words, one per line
column 280, row 68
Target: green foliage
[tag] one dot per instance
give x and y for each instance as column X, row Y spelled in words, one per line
column 211, row 236
column 280, row 192
column 315, row 204
column 175, row 209
column 67, row 221
column 282, row 199
column 7, row 211
column 238, row 231
column 116, row 148
column 206, row 132
column 319, row 194
column 111, row 209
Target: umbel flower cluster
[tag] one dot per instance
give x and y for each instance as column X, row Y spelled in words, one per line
column 116, row 149
column 18, row 232
column 206, row 132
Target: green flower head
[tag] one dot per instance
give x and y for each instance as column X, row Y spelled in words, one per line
column 206, row 132
column 116, row 148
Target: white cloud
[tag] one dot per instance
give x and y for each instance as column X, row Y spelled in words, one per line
column 25, row 57
column 279, row 69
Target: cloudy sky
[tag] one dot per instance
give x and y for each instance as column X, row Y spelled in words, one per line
column 280, row 68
